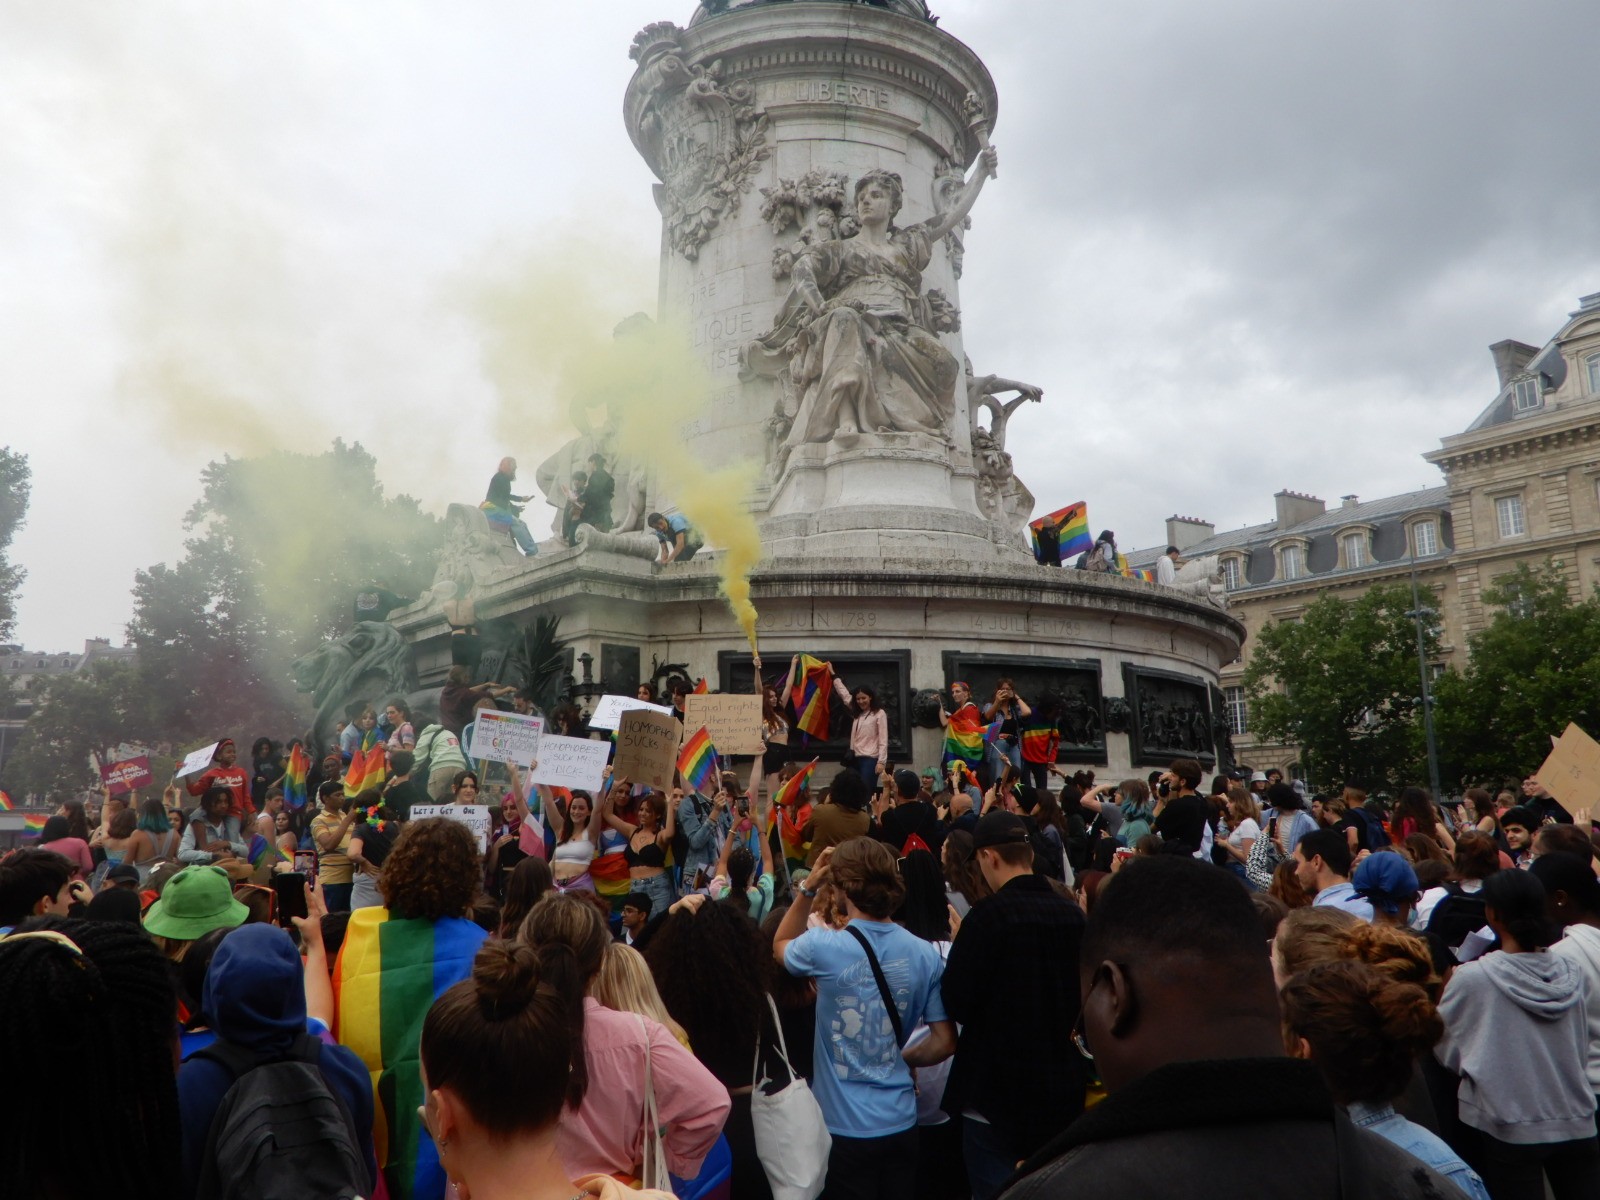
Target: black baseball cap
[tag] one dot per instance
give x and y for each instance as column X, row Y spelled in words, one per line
column 999, row 829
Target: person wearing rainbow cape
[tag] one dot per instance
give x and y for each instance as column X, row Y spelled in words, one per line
column 963, row 729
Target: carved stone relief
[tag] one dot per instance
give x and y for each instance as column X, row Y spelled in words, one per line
column 1171, row 717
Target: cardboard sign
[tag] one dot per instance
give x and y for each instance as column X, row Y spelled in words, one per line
column 196, row 760
column 610, row 709
column 571, row 762
column 506, row 736
column 474, row 816
column 126, row 776
column 732, row 720
column 647, row 748
column 1572, row 772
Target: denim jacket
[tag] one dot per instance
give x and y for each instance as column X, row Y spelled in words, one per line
column 190, row 852
column 703, row 832
column 1416, row 1141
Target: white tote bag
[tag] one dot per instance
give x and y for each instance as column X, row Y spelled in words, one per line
column 792, row 1140
column 653, row 1163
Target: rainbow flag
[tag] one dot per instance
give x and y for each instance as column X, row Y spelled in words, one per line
column 294, row 777
column 33, row 824
column 368, row 766
column 964, row 736
column 792, row 787
column 991, row 731
column 262, row 850
column 387, row 975
column 702, row 688
column 609, row 870
column 1149, row 576
column 810, row 696
column 697, row 761
column 786, row 801
column 5, row 803
column 1067, row 527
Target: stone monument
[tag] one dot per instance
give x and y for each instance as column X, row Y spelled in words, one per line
column 821, row 166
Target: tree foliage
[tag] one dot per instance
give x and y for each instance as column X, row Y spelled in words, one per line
column 281, row 545
column 15, row 487
column 76, row 719
column 1534, row 668
column 1342, row 683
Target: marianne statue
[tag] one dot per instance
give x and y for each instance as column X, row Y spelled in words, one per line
column 856, row 333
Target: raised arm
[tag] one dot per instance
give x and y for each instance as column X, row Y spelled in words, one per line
column 674, row 798
column 608, row 810
column 986, row 165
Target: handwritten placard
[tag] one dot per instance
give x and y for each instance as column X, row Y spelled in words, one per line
column 1572, row 772
column 506, row 736
column 571, row 762
column 647, row 748
column 196, row 760
column 474, row 816
column 610, row 709
column 732, row 720
column 126, row 776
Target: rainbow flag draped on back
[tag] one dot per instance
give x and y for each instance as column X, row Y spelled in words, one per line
column 786, row 801
column 387, row 975
column 294, row 777
column 810, row 695
column 964, row 736
column 1068, row 527
column 697, row 761
column 368, row 766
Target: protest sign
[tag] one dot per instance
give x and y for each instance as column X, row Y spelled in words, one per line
column 126, row 776
column 196, row 760
column 647, row 748
column 506, row 736
column 571, row 762
column 733, row 721
column 611, row 708
column 1572, row 772
column 474, row 816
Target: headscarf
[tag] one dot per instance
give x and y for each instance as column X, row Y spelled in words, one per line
column 1386, row 881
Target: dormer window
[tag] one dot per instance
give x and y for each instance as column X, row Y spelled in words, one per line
column 1592, row 368
column 1353, row 549
column 1291, row 562
column 1425, row 539
column 1233, row 573
column 1526, row 395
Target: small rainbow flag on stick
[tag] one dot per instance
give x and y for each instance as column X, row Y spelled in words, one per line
column 697, row 761
column 261, row 850
column 702, row 688
column 33, row 824
column 1066, row 530
column 294, row 777
column 5, row 803
column 367, row 766
column 792, row 787
column 810, row 695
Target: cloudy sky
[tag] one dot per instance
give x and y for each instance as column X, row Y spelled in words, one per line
column 1242, row 244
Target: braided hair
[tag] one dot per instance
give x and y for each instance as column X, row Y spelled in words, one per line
column 102, row 1017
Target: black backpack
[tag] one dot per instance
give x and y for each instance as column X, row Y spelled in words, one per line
column 280, row 1133
column 1377, row 835
column 1457, row 915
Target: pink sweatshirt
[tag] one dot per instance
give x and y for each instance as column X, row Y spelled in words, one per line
column 605, row 1135
column 869, row 732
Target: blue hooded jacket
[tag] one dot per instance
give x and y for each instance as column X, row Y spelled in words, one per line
column 255, row 997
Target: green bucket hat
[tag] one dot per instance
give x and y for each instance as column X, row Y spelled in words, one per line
column 195, row 901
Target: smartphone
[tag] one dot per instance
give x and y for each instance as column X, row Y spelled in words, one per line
column 1122, row 852
column 305, row 861
column 291, row 889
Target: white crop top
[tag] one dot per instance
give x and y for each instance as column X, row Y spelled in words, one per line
column 579, row 850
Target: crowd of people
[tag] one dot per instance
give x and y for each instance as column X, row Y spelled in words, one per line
column 865, row 982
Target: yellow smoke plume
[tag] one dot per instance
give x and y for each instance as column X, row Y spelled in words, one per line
column 548, row 347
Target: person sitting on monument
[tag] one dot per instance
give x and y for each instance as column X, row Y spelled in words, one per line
column 572, row 512
column 598, row 494
column 679, row 540
column 504, row 509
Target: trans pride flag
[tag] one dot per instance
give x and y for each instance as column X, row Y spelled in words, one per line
column 810, row 695
column 387, row 975
column 1064, row 533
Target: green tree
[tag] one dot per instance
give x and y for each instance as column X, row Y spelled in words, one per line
column 15, row 486
column 280, row 546
column 1534, row 668
column 76, row 722
column 1342, row 684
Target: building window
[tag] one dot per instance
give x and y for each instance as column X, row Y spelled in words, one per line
column 1292, row 560
column 1232, row 574
column 1592, row 365
column 1508, row 513
column 1238, row 711
column 1355, row 550
column 1424, row 539
column 1527, row 395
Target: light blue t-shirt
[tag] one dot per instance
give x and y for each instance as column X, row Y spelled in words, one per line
column 862, row 1084
column 1343, row 896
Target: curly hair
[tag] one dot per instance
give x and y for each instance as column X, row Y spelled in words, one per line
column 865, row 870
column 1311, row 935
column 1365, row 1030
column 889, row 182
column 723, row 1022
column 432, row 871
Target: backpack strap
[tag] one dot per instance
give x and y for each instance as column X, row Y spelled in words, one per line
column 883, row 985
column 239, row 1061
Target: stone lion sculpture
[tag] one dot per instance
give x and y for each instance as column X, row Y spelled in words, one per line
column 371, row 662
column 1202, row 578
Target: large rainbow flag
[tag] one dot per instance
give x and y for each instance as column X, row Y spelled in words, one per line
column 295, row 773
column 964, row 736
column 387, row 975
column 1068, row 527
column 368, row 766
column 609, row 870
column 697, row 761
column 810, row 695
